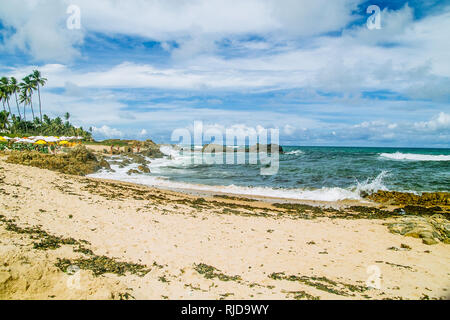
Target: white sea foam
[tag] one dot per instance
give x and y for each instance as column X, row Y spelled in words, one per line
column 294, row 152
column 372, row 185
column 415, row 157
column 323, row 194
column 182, row 161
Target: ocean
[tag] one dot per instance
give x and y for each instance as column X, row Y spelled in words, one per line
column 308, row 173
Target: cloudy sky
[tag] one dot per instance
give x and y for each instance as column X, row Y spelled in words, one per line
column 313, row 69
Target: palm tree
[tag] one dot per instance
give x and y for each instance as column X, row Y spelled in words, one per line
column 4, row 120
column 4, row 85
column 25, row 99
column 28, row 86
column 14, row 87
column 39, row 81
column 2, row 97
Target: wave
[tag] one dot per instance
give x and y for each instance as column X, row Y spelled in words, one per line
column 294, row 152
column 372, row 185
column 322, row 194
column 415, row 156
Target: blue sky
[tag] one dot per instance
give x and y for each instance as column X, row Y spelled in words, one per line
column 140, row 69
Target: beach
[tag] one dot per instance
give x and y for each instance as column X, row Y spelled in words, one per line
column 129, row 241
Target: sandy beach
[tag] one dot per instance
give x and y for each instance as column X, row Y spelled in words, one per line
column 70, row 237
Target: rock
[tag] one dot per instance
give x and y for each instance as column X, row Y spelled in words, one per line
column 81, row 153
column 152, row 152
column 132, row 171
column 426, row 199
column 429, row 241
column 431, row 229
column 78, row 161
column 209, row 148
column 144, row 169
column 104, row 164
column 137, row 158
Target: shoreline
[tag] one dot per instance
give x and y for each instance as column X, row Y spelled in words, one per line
column 194, row 247
column 245, row 197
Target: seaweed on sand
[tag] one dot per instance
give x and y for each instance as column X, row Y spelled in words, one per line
column 98, row 264
column 102, row 264
column 321, row 283
column 210, row 272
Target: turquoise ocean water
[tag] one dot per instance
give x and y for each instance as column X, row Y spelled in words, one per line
column 315, row 173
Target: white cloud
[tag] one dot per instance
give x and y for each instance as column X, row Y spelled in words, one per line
column 143, row 132
column 107, row 132
column 38, row 28
column 416, row 65
column 40, row 25
column 441, row 121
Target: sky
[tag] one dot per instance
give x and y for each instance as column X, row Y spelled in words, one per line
column 312, row 69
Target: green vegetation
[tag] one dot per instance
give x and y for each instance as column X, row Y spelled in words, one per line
column 14, row 123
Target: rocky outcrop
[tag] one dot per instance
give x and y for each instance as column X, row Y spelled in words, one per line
column 252, row 149
column 144, row 169
column 137, row 158
column 78, row 161
column 153, row 153
column 104, row 164
column 132, row 171
column 399, row 198
column 431, row 230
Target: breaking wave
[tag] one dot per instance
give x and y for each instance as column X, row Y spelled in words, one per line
column 414, row 156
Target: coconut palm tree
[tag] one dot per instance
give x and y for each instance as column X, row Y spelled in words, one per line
column 25, row 99
column 39, row 81
column 14, row 87
column 6, row 92
column 2, row 97
column 4, row 115
column 28, row 86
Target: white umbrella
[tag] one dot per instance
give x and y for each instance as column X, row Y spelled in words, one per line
column 25, row 141
column 50, row 139
column 66, row 138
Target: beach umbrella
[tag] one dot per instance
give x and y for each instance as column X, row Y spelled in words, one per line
column 64, row 142
column 3, row 139
column 40, row 142
column 23, row 140
column 50, row 139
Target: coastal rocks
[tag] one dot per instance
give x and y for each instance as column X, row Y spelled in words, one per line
column 81, row 153
column 104, row 164
column 132, row 171
column 144, row 169
column 152, row 152
column 431, row 229
column 397, row 198
column 78, row 161
column 210, row 148
column 140, row 169
column 137, row 158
